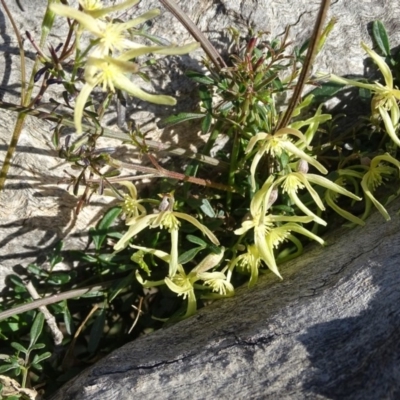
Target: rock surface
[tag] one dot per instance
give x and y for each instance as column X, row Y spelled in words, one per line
column 330, row 330
column 36, row 211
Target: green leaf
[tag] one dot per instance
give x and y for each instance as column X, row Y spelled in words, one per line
column 206, row 98
column 69, row 325
column 121, row 284
column 199, row 77
column 59, row 278
column 326, row 91
column 207, row 208
column 96, row 333
column 189, row 255
column 206, row 123
column 381, row 37
column 17, row 281
column 6, row 367
column 37, row 328
column 37, row 346
column 19, row 347
column 197, row 240
column 38, row 367
column 41, row 357
column 99, row 234
column 177, row 119
column 36, row 270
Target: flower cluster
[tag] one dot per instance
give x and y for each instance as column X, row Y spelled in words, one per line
column 111, row 50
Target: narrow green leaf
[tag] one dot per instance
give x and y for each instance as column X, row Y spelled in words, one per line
column 38, row 367
column 100, row 232
column 207, row 208
column 69, row 325
column 196, row 240
column 96, row 333
column 37, row 346
column 179, row 118
column 200, row 78
column 205, row 97
column 6, row 367
column 121, row 284
column 189, row 255
column 206, row 124
column 59, row 278
column 19, row 347
column 36, row 329
column 41, row 357
column 326, row 91
column 381, row 37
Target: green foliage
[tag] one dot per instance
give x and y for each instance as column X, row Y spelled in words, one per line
column 239, row 210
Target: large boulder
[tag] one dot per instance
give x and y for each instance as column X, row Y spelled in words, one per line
column 330, row 330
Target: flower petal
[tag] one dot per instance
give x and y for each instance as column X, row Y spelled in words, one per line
column 321, row 181
column 80, row 105
column 123, row 83
column 198, row 225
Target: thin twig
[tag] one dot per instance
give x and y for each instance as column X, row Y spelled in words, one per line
column 206, row 45
column 308, row 63
column 55, row 298
column 50, row 320
column 65, row 120
column 139, row 311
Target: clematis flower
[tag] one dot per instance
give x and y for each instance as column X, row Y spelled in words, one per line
column 168, row 219
column 267, row 235
column 373, row 178
column 385, row 99
column 185, row 284
column 331, row 198
column 275, row 145
column 112, row 73
column 111, row 36
column 108, row 62
column 131, row 205
column 250, row 261
column 294, row 181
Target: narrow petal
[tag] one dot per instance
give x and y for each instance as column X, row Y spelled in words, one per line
column 266, row 252
column 198, row 225
column 345, row 214
column 380, row 62
column 299, row 229
column 352, row 82
column 375, row 202
column 155, row 12
column 88, row 22
column 306, row 210
column 80, row 105
column 389, row 125
column 123, row 83
column 99, row 13
column 254, row 140
column 178, row 50
column 290, row 147
column 321, row 181
column 173, row 262
column 136, row 226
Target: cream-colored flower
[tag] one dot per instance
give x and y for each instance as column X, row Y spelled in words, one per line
column 167, row 219
column 371, row 177
column 275, row 145
column 300, row 179
column 386, row 98
column 268, row 231
column 185, row 284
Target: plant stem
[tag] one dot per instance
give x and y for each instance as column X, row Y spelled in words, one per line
column 308, row 63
